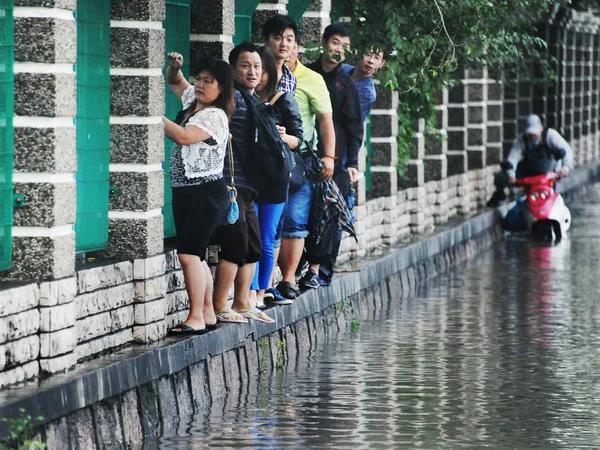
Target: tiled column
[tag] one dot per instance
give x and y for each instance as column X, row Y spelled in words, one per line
column 476, row 85
column 414, row 180
column 585, row 54
column 212, row 28
column 456, row 154
column 510, row 116
column 264, row 11
column 314, row 21
column 384, row 135
column 494, row 136
column 45, row 162
column 436, row 164
column 137, row 104
column 44, row 140
column 495, row 113
column 384, row 162
column 569, row 85
column 594, row 116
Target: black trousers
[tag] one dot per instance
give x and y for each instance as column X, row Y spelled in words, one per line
column 326, row 251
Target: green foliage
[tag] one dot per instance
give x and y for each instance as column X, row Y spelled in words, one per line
column 21, row 433
column 430, row 42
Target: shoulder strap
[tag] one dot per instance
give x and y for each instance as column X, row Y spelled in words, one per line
column 276, row 97
column 545, row 136
column 231, row 163
column 525, row 147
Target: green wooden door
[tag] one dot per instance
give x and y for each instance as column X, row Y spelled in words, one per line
column 177, row 39
column 93, row 124
column 6, row 131
column 244, row 9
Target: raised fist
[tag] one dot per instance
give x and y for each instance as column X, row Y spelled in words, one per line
column 175, row 60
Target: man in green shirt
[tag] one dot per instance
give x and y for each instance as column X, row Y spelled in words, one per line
column 314, row 104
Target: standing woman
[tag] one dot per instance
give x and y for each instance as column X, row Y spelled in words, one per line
column 270, row 202
column 200, row 134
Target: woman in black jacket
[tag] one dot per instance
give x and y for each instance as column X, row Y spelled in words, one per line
column 270, row 203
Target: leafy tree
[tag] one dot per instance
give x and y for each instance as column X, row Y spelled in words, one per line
column 432, row 40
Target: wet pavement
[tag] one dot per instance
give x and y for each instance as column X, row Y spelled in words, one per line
column 500, row 352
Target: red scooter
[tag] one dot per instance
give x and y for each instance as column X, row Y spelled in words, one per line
column 545, row 212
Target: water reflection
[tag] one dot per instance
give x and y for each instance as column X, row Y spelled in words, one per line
column 503, row 352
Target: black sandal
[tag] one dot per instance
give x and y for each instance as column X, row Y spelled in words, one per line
column 185, row 330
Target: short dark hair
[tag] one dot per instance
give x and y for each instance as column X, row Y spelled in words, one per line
column 245, row 46
column 382, row 45
column 277, row 25
column 270, row 67
column 335, row 28
column 221, row 71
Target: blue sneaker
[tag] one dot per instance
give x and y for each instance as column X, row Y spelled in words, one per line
column 272, row 295
column 324, row 283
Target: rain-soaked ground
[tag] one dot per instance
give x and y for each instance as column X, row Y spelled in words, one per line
column 502, row 352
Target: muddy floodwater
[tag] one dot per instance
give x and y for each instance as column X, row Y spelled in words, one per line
column 500, row 352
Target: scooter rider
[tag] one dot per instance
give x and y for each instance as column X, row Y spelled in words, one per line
column 537, row 151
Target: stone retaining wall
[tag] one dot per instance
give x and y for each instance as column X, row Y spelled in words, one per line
column 130, row 394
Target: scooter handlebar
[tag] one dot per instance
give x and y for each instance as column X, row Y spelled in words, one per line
column 551, row 177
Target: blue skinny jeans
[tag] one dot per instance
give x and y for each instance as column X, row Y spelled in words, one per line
column 268, row 219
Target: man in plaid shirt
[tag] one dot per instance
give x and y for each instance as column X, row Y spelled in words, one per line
column 279, row 34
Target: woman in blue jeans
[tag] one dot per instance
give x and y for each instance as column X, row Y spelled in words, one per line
column 271, row 201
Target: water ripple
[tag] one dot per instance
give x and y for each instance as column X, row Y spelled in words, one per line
column 503, row 352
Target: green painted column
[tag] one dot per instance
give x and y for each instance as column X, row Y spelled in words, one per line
column 6, row 130
column 244, row 9
column 177, row 38
column 93, row 124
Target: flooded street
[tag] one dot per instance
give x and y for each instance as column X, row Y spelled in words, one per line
column 500, row 352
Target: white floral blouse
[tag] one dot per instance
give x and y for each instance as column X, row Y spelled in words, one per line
column 201, row 162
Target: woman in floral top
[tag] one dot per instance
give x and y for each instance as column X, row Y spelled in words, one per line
column 200, row 134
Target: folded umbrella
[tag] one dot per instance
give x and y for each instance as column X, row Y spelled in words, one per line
column 328, row 208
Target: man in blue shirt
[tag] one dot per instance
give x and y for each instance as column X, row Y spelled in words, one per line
column 362, row 74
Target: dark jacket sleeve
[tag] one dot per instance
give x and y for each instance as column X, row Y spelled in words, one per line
column 288, row 116
column 353, row 125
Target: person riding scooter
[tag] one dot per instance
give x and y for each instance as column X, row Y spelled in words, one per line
column 537, row 151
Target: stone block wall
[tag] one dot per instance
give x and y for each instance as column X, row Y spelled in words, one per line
column 177, row 298
column 19, row 339
column 104, row 308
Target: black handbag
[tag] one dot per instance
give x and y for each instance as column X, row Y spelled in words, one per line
column 298, row 174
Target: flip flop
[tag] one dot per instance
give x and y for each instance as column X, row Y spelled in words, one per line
column 257, row 314
column 222, row 316
column 185, row 330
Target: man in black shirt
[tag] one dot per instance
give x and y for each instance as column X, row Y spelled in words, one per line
column 347, row 121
